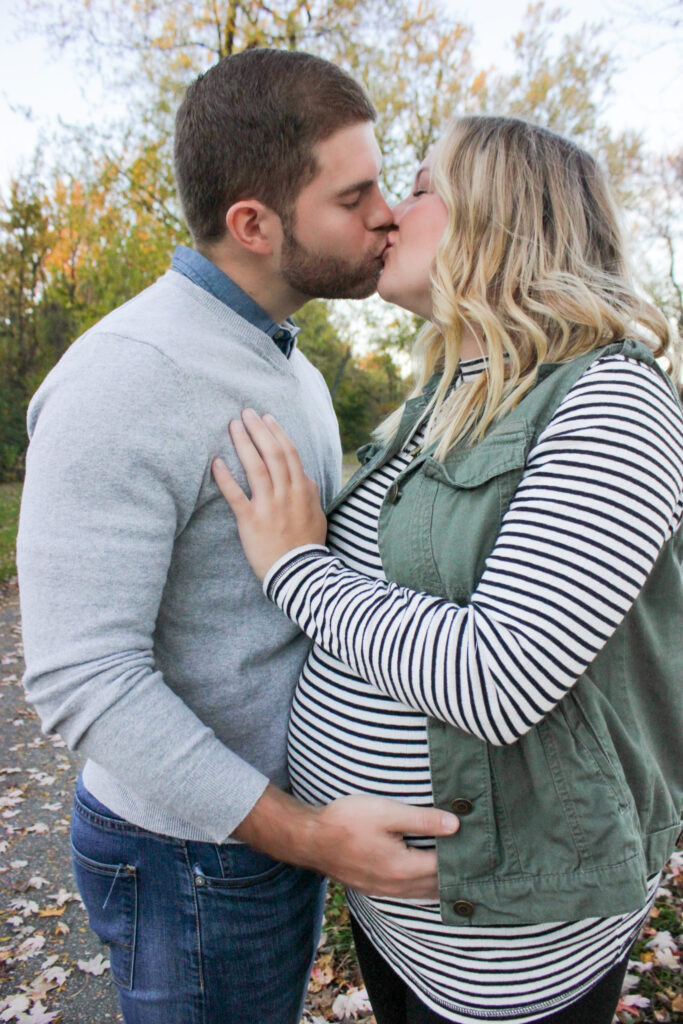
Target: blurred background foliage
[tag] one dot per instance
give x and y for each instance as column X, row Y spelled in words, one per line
column 94, row 217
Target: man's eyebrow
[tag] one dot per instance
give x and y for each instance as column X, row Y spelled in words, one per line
column 361, row 186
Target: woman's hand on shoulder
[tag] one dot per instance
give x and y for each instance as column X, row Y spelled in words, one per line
column 284, row 510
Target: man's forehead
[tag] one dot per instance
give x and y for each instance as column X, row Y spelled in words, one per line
column 350, row 157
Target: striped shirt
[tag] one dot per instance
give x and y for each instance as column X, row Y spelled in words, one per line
column 601, row 492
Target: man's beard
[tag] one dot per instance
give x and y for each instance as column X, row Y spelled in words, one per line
column 321, row 276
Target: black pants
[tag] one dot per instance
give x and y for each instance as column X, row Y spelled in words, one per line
column 394, row 1003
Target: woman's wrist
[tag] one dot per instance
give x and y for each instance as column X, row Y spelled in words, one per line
column 284, row 562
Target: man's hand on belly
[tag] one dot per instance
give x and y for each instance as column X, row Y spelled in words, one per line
column 356, row 839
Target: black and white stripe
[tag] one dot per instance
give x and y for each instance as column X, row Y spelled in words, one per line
column 601, row 493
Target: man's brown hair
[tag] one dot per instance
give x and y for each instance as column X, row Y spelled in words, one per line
column 247, row 127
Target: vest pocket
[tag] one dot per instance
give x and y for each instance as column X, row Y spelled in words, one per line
column 593, row 801
column 603, row 764
column 470, row 492
column 110, row 896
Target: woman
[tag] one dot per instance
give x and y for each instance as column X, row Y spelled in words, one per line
column 496, row 616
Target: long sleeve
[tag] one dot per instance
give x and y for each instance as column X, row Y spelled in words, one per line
column 116, row 461
column 600, row 495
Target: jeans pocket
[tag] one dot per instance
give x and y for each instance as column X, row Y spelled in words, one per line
column 240, row 868
column 110, row 895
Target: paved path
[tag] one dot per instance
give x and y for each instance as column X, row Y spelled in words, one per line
column 41, row 920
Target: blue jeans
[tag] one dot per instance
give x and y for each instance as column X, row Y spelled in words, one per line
column 198, row 933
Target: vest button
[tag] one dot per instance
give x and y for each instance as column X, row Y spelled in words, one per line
column 393, row 494
column 462, row 805
column 463, row 908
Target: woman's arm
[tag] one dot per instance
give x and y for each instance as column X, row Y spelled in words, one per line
column 600, row 495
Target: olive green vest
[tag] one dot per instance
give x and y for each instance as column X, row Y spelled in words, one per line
column 569, row 821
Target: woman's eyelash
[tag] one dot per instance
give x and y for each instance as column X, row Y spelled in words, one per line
column 420, row 192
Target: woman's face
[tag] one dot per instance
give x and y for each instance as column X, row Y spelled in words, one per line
column 420, row 221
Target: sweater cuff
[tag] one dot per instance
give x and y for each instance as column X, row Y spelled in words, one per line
column 303, row 553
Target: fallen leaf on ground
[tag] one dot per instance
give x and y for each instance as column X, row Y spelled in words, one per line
column 351, row 1003
column 37, row 1015
column 662, row 940
column 25, row 907
column 29, row 947
column 632, row 1003
column 666, row 958
column 98, row 965
column 322, row 974
column 630, row 981
column 63, row 896
column 14, row 1005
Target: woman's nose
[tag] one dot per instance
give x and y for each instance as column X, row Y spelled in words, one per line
column 399, row 210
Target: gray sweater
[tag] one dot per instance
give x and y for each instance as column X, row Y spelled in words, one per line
column 149, row 643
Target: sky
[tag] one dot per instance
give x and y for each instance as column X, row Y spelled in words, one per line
column 648, row 93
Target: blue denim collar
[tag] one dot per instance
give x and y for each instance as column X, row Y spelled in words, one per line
column 201, row 271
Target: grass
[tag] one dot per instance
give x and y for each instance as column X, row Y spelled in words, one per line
column 349, row 466
column 10, row 497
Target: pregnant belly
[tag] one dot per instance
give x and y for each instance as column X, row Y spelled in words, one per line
column 346, row 737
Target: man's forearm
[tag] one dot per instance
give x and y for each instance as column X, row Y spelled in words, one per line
column 357, row 839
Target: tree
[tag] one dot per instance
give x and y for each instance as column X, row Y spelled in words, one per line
column 364, row 390
column 69, row 252
column 661, row 232
column 25, row 240
column 414, row 60
column 114, row 214
column 564, row 82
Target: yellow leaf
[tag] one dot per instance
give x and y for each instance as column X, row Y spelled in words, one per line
column 52, row 911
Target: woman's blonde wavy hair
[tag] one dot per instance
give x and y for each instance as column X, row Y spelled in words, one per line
column 533, row 260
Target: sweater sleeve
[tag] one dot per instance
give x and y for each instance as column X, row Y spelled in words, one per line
column 600, row 495
column 112, row 478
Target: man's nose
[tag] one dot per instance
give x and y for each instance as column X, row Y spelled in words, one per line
column 382, row 218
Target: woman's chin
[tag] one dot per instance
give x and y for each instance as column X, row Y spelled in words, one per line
column 397, row 298
column 384, row 289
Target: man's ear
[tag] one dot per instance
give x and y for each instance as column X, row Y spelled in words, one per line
column 254, row 226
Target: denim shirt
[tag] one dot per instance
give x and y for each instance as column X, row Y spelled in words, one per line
column 201, row 271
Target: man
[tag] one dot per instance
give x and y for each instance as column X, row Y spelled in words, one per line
column 149, row 644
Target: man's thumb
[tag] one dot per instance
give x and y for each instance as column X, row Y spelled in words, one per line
column 430, row 821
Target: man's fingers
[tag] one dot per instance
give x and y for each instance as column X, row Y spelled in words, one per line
column 229, row 488
column 422, row 821
column 411, row 874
